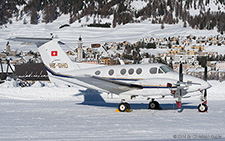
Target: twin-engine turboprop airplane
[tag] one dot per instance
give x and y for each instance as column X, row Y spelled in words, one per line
column 127, row 81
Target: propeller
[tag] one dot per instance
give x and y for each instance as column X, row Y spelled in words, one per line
column 179, row 84
column 205, row 92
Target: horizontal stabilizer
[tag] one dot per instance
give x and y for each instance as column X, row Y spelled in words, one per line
column 37, row 41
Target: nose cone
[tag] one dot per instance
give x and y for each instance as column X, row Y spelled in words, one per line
column 205, row 85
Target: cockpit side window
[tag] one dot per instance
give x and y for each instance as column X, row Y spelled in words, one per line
column 166, row 69
column 160, row 71
column 153, row 70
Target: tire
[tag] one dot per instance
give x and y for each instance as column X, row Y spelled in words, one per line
column 202, row 107
column 122, row 107
column 128, row 105
column 154, row 105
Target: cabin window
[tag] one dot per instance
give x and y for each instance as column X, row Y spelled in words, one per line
column 131, row 71
column 139, row 71
column 97, row 72
column 153, row 70
column 111, row 72
column 123, row 71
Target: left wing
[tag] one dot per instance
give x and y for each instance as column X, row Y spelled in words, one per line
column 112, row 86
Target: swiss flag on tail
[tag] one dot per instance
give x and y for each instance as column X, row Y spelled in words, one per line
column 54, row 53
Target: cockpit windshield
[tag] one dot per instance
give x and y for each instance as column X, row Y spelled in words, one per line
column 166, row 69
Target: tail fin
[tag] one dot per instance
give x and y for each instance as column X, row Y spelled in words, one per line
column 54, row 58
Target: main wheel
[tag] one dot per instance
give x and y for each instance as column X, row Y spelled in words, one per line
column 154, row 105
column 202, row 107
column 128, row 105
column 123, row 107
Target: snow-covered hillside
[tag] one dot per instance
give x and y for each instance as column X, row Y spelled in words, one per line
column 132, row 32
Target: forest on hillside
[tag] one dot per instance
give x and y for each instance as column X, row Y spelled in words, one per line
column 157, row 11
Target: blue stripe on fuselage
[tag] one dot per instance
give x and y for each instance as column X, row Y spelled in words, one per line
column 123, row 79
column 55, row 74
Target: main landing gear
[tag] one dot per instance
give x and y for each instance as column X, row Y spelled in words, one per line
column 124, row 107
column 154, row 104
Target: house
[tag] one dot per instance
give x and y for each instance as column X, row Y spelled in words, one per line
column 95, row 45
column 69, row 52
column 186, row 59
column 191, row 52
column 185, row 66
column 89, row 50
column 174, row 39
column 174, row 51
column 198, row 47
column 220, row 65
column 201, row 41
column 109, row 61
column 179, row 47
column 207, row 53
column 186, row 42
column 126, row 43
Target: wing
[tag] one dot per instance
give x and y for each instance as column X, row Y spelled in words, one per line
column 108, row 85
column 112, row 86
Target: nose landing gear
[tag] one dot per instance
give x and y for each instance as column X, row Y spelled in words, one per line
column 202, row 107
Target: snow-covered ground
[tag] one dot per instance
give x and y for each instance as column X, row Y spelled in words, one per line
column 48, row 112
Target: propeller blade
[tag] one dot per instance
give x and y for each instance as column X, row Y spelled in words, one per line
column 181, row 73
column 180, row 90
column 205, row 92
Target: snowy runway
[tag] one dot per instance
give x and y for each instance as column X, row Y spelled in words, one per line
column 69, row 120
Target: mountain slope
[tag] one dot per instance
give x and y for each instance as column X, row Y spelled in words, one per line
column 199, row 14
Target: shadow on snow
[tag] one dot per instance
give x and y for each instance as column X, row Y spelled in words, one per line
column 93, row 98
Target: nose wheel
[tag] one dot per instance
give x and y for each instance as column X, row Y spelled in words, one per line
column 202, row 107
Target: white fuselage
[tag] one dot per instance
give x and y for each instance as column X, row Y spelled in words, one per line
column 152, row 77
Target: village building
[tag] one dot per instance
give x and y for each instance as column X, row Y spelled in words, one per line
column 220, row 65
column 95, row 45
column 80, row 50
column 198, row 47
column 109, row 61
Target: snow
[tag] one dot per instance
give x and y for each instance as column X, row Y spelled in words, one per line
column 49, row 112
column 138, row 4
